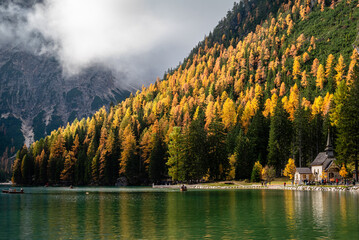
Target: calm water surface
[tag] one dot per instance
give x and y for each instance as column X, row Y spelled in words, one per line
column 146, row 213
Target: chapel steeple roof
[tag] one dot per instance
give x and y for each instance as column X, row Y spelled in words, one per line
column 329, row 148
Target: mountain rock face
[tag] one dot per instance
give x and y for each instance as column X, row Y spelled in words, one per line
column 35, row 97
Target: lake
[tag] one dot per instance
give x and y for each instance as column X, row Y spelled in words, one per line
column 146, row 213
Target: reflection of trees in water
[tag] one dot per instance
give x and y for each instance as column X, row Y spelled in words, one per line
column 289, row 213
column 124, row 223
column 324, row 211
column 300, row 203
column 318, row 210
column 343, row 210
column 114, row 213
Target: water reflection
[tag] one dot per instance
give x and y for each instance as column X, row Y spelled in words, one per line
column 143, row 213
column 318, row 210
column 343, row 210
column 289, row 212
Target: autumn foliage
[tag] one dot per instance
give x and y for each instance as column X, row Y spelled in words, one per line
column 257, row 95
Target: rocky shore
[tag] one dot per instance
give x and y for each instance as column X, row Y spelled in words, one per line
column 325, row 188
column 273, row 187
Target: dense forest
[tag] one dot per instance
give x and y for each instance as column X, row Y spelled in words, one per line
column 263, row 87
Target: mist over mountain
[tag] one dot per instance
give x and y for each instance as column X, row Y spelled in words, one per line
column 137, row 40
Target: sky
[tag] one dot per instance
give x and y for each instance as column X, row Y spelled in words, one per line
column 137, row 39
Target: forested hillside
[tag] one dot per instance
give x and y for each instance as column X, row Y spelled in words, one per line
column 266, row 93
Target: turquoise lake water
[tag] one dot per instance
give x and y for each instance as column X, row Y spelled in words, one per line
column 146, row 213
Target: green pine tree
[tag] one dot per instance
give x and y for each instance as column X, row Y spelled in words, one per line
column 217, row 153
column 243, row 153
column 280, row 138
column 157, row 166
column 176, row 158
column 196, row 150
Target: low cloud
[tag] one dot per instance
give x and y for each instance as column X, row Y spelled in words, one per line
column 137, row 39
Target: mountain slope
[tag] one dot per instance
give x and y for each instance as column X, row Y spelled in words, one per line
column 36, row 98
column 263, row 97
column 241, row 20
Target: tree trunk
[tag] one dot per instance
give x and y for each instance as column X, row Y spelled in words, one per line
column 356, row 168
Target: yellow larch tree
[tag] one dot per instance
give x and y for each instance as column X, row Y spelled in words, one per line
column 292, row 104
column 343, row 172
column 224, row 96
column 258, row 91
column 195, row 116
column 270, row 105
column 146, row 147
column 290, row 169
column 129, row 148
column 209, row 113
column 306, row 104
column 317, row 106
column 308, row 5
column 217, row 108
column 186, row 119
column 354, row 56
column 282, row 89
column 303, row 13
column 267, row 107
column 326, row 103
column 277, row 80
column 293, row 51
column 239, row 84
column 229, row 116
column 294, row 9
column 353, row 62
column 246, row 116
column 339, row 68
column 320, row 77
column 312, row 42
column 329, row 66
column 290, row 27
column 315, row 67
column 274, row 100
column 305, row 57
column 304, row 81
column 296, row 68
column 67, row 174
column 249, row 111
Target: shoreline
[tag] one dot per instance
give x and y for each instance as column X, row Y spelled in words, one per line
column 223, row 186
column 270, row 187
